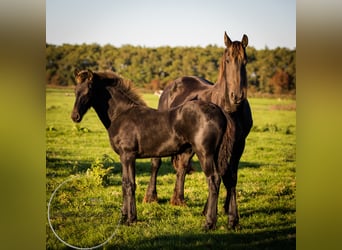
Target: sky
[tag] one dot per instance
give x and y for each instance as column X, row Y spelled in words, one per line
column 155, row 23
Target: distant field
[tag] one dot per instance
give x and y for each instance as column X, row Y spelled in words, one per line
column 85, row 211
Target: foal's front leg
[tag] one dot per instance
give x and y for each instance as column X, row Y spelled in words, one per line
column 129, row 211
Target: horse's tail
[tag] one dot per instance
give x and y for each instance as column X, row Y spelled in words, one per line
column 226, row 147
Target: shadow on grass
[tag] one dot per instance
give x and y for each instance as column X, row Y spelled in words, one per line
column 244, row 164
column 284, row 238
column 67, row 165
column 63, row 167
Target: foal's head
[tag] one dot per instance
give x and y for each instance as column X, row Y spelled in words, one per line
column 233, row 69
column 83, row 93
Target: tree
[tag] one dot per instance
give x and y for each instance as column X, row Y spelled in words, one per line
column 270, row 71
column 280, row 82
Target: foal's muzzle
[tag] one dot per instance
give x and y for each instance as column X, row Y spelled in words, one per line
column 76, row 117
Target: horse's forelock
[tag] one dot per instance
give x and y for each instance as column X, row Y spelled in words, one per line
column 238, row 50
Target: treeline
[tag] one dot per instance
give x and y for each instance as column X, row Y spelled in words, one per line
column 269, row 71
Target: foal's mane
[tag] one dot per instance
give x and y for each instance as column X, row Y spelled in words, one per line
column 120, row 84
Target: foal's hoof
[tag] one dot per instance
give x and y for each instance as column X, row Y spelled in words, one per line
column 130, row 222
column 177, row 202
column 127, row 221
column 235, row 227
column 190, row 170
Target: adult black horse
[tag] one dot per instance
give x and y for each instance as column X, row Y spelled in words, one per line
column 137, row 131
column 230, row 93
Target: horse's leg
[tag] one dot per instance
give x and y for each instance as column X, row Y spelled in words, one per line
column 181, row 164
column 129, row 211
column 230, row 181
column 151, row 192
column 230, row 205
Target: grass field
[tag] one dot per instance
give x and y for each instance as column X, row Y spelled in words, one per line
column 84, row 176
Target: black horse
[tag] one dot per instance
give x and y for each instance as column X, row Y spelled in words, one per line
column 230, row 93
column 137, row 131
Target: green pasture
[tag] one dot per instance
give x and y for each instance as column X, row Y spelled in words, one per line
column 84, row 174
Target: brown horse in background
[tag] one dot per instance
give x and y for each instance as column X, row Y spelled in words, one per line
column 137, row 131
column 230, row 93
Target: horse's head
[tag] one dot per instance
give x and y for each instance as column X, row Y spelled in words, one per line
column 233, row 69
column 83, row 93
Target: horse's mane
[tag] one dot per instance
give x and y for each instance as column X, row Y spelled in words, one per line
column 124, row 86
column 221, row 69
column 236, row 52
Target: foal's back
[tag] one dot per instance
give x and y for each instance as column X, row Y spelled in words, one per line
column 147, row 132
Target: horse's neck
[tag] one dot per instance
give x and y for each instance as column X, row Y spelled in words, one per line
column 220, row 93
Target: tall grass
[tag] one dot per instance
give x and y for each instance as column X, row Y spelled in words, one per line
column 266, row 186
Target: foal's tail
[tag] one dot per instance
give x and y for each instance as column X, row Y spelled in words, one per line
column 226, row 146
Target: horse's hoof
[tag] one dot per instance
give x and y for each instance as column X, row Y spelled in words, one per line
column 209, row 226
column 226, row 210
column 150, row 198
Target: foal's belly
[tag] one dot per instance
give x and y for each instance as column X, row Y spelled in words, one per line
column 141, row 141
column 157, row 146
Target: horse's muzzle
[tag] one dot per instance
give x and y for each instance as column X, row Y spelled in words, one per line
column 236, row 99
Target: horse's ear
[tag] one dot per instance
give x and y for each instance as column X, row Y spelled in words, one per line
column 76, row 71
column 244, row 40
column 227, row 40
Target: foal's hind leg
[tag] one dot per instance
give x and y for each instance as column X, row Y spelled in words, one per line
column 181, row 163
column 211, row 206
column 151, row 192
column 214, row 181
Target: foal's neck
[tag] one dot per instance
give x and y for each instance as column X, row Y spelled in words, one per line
column 118, row 103
column 102, row 105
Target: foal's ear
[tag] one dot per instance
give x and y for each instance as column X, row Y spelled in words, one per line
column 244, row 40
column 76, row 71
column 90, row 75
column 227, row 40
